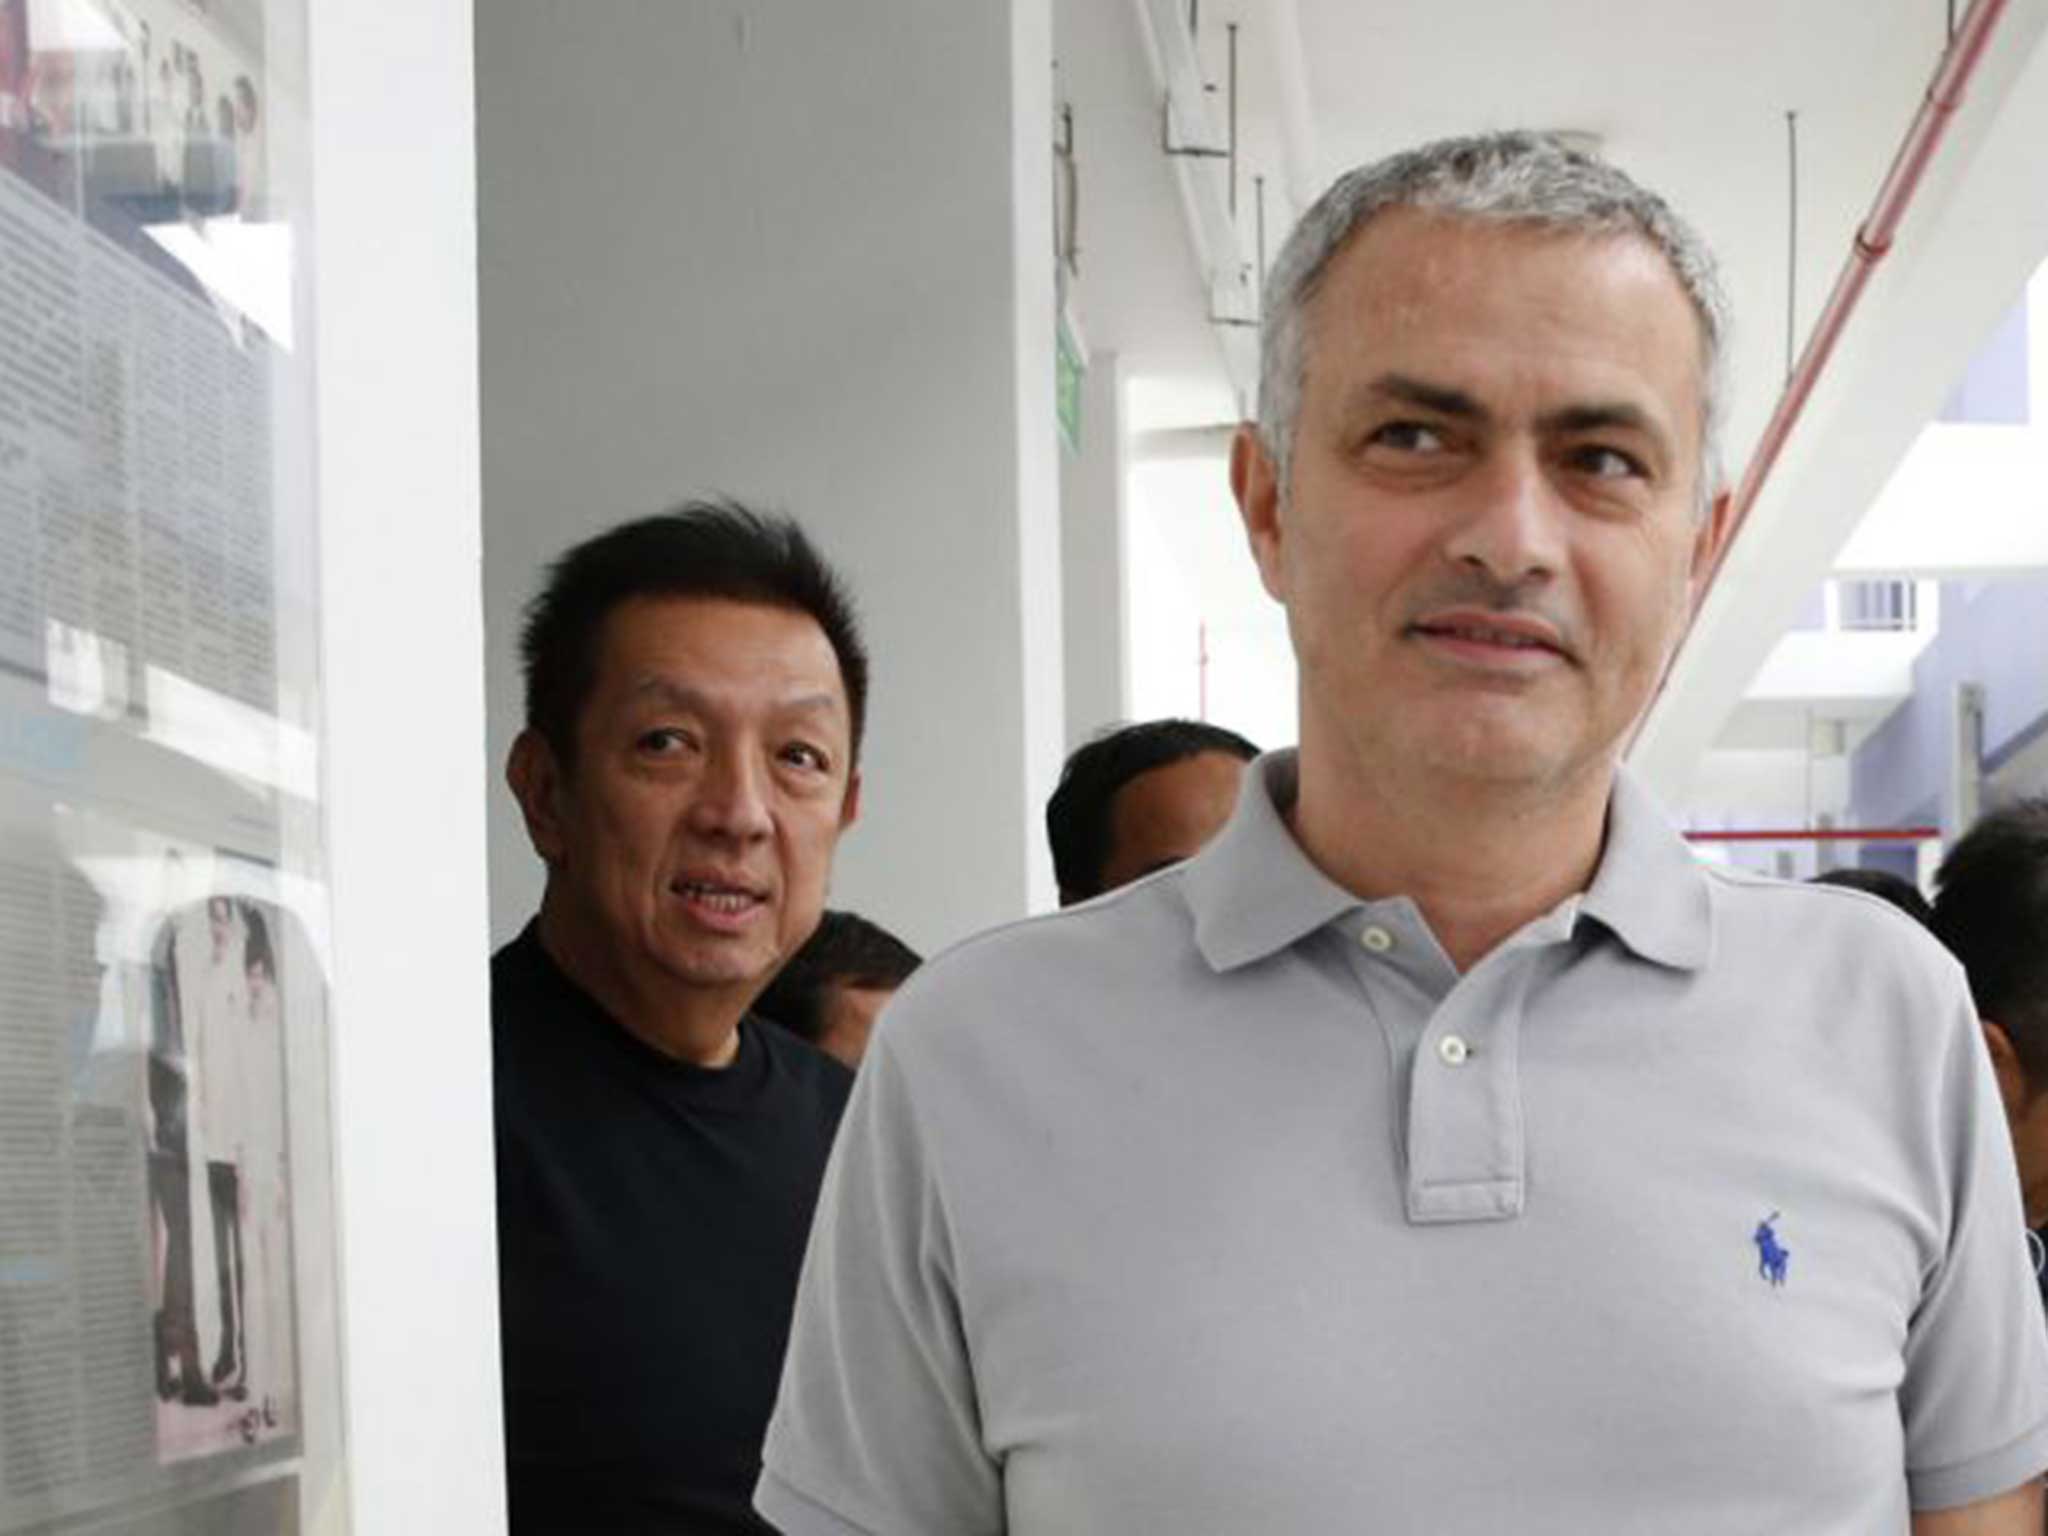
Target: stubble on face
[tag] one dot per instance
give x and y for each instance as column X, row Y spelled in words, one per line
column 1498, row 424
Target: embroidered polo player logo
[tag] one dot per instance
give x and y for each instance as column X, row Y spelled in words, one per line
column 1772, row 1257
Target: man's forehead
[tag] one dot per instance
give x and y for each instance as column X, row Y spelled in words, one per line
column 1410, row 265
column 704, row 650
column 1450, row 298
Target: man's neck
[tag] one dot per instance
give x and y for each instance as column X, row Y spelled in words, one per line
column 699, row 1026
column 1480, row 862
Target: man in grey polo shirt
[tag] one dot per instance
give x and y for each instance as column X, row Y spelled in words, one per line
column 1442, row 1150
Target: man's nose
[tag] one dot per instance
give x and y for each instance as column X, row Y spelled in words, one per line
column 732, row 794
column 1512, row 526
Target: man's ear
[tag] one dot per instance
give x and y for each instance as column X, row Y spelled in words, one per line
column 849, row 808
column 536, row 779
column 2005, row 1065
column 1255, row 482
column 1709, row 541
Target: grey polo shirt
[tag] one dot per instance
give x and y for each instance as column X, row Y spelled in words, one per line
column 1225, row 1204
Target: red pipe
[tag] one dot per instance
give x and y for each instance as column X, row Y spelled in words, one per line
column 1872, row 244
column 1818, row 835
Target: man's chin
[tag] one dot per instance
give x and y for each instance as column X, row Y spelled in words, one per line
column 1503, row 754
column 717, row 970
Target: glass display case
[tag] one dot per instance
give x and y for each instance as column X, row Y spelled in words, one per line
column 167, row 1262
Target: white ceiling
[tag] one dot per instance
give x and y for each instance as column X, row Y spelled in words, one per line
column 1689, row 98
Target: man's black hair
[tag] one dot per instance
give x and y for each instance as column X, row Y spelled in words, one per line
column 1077, row 817
column 1885, row 886
column 1991, row 909
column 846, row 951
column 708, row 549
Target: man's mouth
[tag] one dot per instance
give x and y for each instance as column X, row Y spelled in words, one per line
column 1481, row 633
column 719, row 896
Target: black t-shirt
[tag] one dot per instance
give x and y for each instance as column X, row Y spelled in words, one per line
column 651, row 1222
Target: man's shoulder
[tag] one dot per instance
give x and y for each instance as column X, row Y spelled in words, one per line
column 516, row 967
column 1136, row 939
column 809, row 1073
column 1833, row 932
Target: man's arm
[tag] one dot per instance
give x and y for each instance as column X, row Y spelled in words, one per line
column 2018, row 1513
column 877, row 1428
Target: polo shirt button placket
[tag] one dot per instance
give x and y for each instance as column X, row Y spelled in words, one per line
column 1464, row 1131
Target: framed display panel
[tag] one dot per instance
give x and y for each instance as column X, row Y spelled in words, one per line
column 168, row 1355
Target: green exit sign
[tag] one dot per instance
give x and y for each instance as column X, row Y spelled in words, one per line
column 1069, row 368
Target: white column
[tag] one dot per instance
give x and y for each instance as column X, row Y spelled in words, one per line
column 801, row 254
column 1094, row 547
column 402, row 629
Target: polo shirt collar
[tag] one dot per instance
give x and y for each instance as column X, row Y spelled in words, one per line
column 1253, row 892
column 1650, row 891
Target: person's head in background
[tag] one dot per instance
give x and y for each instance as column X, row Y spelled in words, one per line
column 696, row 691
column 1138, row 798
column 1885, row 886
column 834, row 987
column 1991, row 910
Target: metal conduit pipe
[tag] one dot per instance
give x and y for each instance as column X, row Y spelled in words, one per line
column 1873, row 242
column 1814, row 835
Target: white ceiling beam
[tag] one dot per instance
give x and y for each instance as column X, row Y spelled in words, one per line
column 1972, row 240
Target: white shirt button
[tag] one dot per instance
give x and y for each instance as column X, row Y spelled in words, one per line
column 1376, row 938
column 1453, row 1050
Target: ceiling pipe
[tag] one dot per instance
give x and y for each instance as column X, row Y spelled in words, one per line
column 1815, row 835
column 1872, row 244
column 1966, row 48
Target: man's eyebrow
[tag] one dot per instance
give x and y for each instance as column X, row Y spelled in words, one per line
column 680, row 695
column 812, row 703
column 1599, row 415
column 1591, row 416
column 1439, row 398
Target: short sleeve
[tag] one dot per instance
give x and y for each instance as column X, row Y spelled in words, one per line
column 877, row 1431
column 1975, row 1397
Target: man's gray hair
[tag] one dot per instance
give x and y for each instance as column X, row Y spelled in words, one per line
column 1511, row 178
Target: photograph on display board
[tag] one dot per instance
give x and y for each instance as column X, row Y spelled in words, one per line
column 149, row 1341
column 22, row 130
column 145, row 116
column 219, row 1180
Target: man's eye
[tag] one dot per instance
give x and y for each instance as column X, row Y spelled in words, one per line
column 1407, row 437
column 1604, row 463
column 666, row 739
column 804, row 755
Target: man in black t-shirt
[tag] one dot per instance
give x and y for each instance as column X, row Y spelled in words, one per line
column 1991, row 909
column 695, row 692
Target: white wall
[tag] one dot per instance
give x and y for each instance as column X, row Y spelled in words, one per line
column 801, row 254
column 1193, row 580
column 1094, row 557
column 402, row 640
column 1967, row 503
